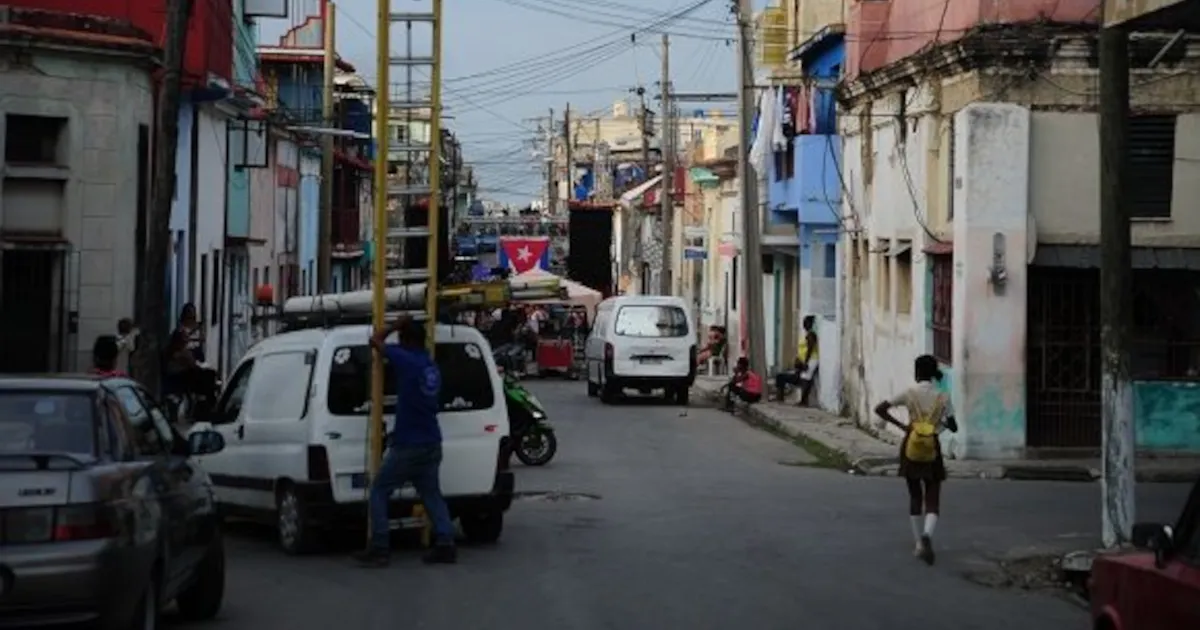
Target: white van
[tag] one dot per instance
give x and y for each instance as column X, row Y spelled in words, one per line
column 295, row 413
column 642, row 342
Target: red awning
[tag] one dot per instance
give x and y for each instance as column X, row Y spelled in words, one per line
column 939, row 248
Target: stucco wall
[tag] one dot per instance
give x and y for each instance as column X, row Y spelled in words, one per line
column 210, row 218
column 310, row 188
column 1065, row 194
column 910, row 25
column 990, row 317
column 179, row 273
column 886, row 180
column 104, row 101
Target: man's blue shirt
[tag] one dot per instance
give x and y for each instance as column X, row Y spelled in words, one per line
column 418, row 385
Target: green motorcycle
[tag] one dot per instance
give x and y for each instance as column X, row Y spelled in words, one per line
column 532, row 437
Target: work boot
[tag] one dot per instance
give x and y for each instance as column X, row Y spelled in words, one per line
column 373, row 558
column 441, row 554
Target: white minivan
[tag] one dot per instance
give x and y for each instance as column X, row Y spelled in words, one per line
column 642, row 342
column 294, row 416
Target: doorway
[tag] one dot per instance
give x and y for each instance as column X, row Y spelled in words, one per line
column 29, row 328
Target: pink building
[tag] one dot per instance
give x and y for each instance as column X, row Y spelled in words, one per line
column 883, row 31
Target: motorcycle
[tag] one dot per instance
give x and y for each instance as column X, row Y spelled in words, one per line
column 533, row 439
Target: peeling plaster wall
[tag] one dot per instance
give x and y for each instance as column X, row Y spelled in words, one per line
column 989, row 317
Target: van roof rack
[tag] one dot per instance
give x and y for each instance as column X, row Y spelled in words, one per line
column 355, row 307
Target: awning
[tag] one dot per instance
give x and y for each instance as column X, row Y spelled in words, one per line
column 703, row 176
column 939, row 248
column 898, row 248
column 633, row 195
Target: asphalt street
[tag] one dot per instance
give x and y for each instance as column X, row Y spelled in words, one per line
column 696, row 521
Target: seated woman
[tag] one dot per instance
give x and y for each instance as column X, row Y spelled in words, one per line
column 715, row 348
column 745, row 385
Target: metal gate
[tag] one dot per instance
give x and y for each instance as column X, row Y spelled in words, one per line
column 1063, row 364
column 39, row 308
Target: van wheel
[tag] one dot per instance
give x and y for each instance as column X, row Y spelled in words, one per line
column 483, row 529
column 609, row 392
column 202, row 599
column 293, row 527
column 682, row 393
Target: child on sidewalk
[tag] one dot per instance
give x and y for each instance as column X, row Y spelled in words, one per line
column 921, row 462
column 745, row 385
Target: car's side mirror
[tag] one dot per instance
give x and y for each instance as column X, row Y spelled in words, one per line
column 205, row 443
column 1154, row 537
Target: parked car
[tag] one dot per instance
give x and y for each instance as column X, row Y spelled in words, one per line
column 105, row 516
column 1156, row 587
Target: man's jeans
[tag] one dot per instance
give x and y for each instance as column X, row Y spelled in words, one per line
column 418, row 465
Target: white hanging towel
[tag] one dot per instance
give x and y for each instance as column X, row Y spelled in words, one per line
column 764, row 136
column 778, row 140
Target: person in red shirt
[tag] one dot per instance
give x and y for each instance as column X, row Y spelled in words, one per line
column 105, row 352
column 746, row 385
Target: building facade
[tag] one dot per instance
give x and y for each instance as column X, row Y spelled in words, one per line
column 975, row 229
column 74, row 194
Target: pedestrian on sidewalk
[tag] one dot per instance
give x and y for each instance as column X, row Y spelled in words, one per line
column 746, row 385
column 804, row 371
column 414, row 447
column 921, row 462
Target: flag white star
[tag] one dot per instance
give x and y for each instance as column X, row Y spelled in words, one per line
column 523, row 254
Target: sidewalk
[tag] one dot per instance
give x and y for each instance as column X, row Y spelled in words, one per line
column 838, row 443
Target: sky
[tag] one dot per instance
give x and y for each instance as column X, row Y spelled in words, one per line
column 508, row 62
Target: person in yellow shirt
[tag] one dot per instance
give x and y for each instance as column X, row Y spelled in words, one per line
column 804, row 371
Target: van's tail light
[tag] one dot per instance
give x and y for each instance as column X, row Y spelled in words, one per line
column 57, row 524
column 609, row 354
column 318, row 464
column 693, row 355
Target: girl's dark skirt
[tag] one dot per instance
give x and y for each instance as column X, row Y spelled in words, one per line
column 922, row 471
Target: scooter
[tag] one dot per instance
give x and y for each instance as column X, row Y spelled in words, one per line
column 533, row 439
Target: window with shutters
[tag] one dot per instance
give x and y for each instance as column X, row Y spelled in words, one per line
column 941, row 320
column 1151, row 164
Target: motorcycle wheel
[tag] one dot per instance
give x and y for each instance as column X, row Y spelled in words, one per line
column 537, row 447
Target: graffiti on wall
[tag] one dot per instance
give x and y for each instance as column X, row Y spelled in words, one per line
column 1167, row 415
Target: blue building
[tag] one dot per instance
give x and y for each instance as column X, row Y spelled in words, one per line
column 818, row 191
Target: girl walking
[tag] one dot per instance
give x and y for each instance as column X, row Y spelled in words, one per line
column 921, row 463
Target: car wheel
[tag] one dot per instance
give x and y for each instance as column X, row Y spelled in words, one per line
column 293, row 527
column 483, row 529
column 682, row 394
column 202, row 599
column 147, row 613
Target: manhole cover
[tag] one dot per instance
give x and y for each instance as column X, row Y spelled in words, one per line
column 556, row 497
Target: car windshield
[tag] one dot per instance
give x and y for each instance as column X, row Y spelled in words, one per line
column 651, row 321
column 47, row 422
column 466, row 380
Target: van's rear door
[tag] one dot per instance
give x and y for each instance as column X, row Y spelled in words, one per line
column 473, row 417
column 652, row 340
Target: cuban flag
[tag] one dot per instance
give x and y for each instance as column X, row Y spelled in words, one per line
column 525, row 253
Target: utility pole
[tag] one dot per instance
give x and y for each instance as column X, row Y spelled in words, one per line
column 325, row 221
column 551, row 179
column 667, row 143
column 751, row 223
column 1116, row 290
column 570, row 154
column 146, row 366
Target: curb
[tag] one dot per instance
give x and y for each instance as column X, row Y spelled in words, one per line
column 882, row 466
